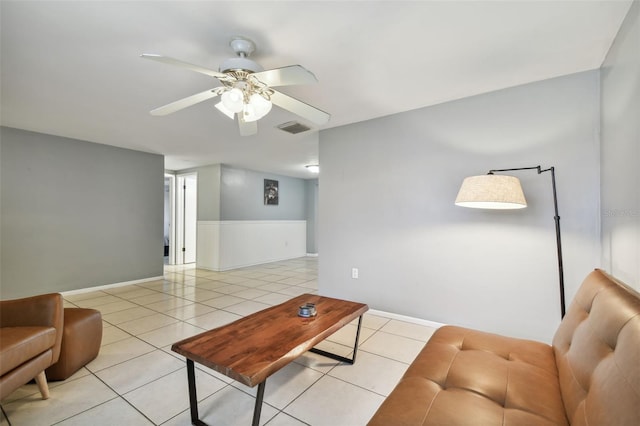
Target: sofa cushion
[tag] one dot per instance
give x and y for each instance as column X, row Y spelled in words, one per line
column 597, row 350
column 465, row 376
column 20, row 344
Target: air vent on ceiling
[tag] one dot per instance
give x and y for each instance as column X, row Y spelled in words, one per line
column 293, row 127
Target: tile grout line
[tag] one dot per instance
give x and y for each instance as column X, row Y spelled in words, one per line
column 180, row 281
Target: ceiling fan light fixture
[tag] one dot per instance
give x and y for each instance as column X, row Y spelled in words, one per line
column 233, row 100
column 261, row 104
column 249, row 113
column 257, row 108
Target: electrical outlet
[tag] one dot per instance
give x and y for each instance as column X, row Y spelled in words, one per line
column 354, row 273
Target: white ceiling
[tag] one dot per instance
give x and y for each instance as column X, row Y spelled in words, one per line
column 73, row 68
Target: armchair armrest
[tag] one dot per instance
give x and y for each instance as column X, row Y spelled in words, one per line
column 43, row 310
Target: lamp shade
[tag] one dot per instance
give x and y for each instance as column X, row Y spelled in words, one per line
column 491, row 192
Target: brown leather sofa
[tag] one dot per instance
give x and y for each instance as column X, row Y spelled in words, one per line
column 30, row 340
column 590, row 375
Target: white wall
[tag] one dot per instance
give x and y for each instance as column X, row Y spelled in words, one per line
column 167, row 208
column 236, row 228
column 230, row 244
column 386, row 207
column 621, row 153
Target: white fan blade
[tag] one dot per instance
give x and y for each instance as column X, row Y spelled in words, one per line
column 185, row 102
column 297, row 107
column 226, row 111
column 247, row 128
column 192, row 67
column 286, row 76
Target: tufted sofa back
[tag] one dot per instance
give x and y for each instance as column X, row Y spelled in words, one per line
column 597, row 351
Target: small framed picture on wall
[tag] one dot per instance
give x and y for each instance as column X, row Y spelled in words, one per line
column 270, row 192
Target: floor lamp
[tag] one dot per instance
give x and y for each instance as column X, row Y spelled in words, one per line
column 493, row 191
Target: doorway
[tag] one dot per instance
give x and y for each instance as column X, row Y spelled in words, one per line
column 186, row 218
column 169, row 217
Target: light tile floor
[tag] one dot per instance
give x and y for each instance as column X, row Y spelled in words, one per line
column 137, row 380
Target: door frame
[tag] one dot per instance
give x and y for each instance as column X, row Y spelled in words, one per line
column 180, row 217
column 172, row 217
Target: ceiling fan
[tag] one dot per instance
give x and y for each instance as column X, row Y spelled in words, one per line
column 247, row 90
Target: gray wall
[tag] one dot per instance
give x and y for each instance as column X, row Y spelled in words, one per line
column 621, row 153
column 386, row 207
column 241, row 194
column 77, row 214
column 230, row 193
column 208, row 190
column 311, row 189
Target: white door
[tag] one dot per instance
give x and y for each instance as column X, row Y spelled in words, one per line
column 187, row 216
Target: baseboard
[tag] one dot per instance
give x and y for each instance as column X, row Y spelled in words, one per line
column 248, row 265
column 107, row 286
column 312, row 254
column 376, row 312
column 404, row 318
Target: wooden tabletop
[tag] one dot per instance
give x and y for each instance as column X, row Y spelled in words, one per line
column 252, row 348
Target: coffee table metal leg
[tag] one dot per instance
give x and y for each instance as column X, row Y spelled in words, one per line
column 193, row 399
column 258, row 407
column 338, row 357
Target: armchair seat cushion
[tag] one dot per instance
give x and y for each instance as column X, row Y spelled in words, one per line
column 23, row 343
column 30, row 340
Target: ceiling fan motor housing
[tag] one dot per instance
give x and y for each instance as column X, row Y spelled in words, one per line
column 242, row 64
column 243, row 47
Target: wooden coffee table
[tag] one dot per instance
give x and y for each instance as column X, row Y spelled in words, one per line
column 252, row 348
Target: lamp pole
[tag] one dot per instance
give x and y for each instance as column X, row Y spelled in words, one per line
column 557, row 221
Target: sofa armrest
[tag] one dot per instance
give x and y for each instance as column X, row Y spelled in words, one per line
column 45, row 310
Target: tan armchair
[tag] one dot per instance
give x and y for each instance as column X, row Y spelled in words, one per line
column 30, row 339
